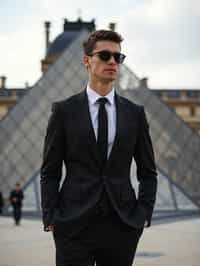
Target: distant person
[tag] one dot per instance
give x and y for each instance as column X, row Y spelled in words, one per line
column 16, row 198
column 1, row 202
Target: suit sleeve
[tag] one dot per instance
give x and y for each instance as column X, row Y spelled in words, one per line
column 146, row 169
column 51, row 169
column 11, row 197
column 22, row 195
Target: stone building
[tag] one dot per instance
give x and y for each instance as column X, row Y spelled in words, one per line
column 9, row 96
column 185, row 102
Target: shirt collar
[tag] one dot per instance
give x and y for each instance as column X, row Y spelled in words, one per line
column 93, row 96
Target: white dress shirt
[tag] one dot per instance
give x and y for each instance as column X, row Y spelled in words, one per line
column 93, row 96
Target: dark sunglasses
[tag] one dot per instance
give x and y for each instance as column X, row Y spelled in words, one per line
column 106, row 55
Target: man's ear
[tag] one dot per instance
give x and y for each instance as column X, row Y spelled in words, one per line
column 86, row 60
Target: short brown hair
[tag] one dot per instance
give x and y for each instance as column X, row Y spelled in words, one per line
column 100, row 35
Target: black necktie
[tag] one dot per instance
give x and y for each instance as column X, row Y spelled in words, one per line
column 102, row 135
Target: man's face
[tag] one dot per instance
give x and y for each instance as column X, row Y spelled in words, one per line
column 99, row 70
column 17, row 187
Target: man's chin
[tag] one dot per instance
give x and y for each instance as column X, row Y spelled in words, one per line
column 109, row 79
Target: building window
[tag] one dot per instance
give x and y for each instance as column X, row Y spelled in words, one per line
column 192, row 111
column 192, row 94
column 173, row 93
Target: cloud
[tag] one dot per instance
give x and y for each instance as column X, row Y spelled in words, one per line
column 21, row 54
column 163, row 36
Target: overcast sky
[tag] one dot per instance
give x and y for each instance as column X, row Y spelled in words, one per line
column 161, row 37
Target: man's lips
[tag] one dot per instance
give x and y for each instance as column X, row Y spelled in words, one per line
column 111, row 70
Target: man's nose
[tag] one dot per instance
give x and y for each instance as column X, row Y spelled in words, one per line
column 112, row 60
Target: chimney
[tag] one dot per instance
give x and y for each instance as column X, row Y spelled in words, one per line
column 26, row 85
column 144, row 82
column 65, row 24
column 112, row 26
column 47, row 25
column 3, row 82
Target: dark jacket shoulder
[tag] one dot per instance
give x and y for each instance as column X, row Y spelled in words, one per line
column 129, row 103
column 68, row 102
column 134, row 112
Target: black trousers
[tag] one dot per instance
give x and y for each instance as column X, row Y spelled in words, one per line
column 106, row 241
column 17, row 213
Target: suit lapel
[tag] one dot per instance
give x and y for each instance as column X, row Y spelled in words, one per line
column 85, row 115
column 120, row 119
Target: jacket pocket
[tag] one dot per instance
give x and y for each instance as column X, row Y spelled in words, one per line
column 128, row 193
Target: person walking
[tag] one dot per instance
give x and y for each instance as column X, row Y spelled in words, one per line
column 16, row 198
column 96, row 216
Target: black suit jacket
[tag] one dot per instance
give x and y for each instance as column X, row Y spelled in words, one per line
column 70, row 139
column 19, row 196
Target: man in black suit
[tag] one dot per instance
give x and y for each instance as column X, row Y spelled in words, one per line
column 95, row 216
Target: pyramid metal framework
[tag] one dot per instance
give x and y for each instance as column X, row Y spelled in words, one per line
column 176, row 145
column 23, row 130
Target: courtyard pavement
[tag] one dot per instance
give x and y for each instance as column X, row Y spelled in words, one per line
column 174, row 243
